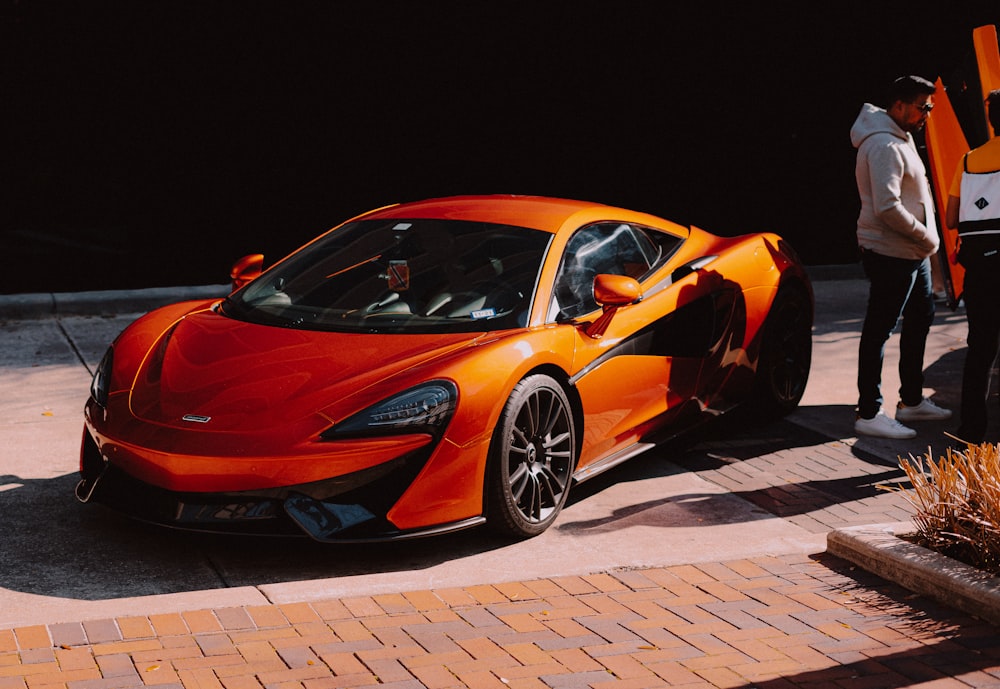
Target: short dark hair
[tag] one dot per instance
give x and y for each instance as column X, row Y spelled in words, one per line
column 993, row 105
column 907, row 89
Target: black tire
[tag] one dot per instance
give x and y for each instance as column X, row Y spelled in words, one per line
column 785, row 354
column 532, row 457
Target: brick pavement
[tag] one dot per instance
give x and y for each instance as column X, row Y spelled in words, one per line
column 767, row 622
column 800, row 475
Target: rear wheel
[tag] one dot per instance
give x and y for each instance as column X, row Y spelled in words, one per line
column 786, row 353
column 532, row 457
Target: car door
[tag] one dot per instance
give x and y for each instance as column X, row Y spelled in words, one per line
column 645, row 371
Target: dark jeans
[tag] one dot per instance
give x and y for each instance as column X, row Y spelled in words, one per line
column 899, row 287
column 982, row 308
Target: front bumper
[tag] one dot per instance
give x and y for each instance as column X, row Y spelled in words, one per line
column 350, row 508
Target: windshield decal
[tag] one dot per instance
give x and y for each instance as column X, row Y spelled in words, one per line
column 399, row 276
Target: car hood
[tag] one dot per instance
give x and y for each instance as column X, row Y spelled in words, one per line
column 213, row 372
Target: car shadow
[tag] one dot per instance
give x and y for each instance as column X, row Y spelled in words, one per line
column 55, row 546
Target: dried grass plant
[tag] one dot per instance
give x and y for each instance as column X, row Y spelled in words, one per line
column 957, row 501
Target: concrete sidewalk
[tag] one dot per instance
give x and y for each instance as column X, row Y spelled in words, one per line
column 777, row 612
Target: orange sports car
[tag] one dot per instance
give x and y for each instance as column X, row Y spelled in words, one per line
column 433, row 366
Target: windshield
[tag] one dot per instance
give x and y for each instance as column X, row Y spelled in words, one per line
column 401, row 276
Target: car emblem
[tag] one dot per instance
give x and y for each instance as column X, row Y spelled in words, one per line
column 196, row 418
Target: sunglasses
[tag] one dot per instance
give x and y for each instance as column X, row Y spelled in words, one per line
column 926, row 107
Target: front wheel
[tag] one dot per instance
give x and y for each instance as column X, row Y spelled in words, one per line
column 532, row 457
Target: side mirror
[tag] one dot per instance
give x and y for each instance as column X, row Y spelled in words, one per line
column 246, row 269
column 612, row 292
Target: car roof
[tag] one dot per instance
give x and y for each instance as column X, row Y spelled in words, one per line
column 536, row 212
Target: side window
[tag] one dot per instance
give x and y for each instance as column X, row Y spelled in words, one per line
column 603, row 248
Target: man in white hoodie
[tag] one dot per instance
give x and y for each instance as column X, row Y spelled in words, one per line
column 897, row 235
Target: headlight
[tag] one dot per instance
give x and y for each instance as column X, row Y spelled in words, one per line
column 423, row 409
column 102, row 378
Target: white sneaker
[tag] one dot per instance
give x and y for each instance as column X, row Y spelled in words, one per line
column 881, row 426
column 925, row 411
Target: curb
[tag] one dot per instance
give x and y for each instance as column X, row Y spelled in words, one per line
column 100, row 303
column 877, row 548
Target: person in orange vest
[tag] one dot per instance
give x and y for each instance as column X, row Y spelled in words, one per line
column 974, row 209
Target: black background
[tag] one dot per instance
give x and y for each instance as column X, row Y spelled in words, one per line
column 152, row 143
